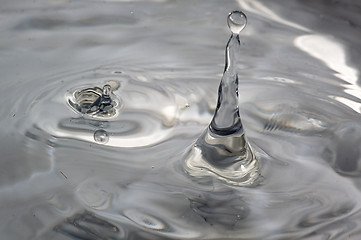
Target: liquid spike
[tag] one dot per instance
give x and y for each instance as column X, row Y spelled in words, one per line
column 95, row 101
column 226, row 119
column 223, row 151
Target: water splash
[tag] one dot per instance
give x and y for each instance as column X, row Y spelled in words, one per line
column 95, row 101
column 222, row 151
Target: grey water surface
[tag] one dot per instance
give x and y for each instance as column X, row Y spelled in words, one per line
column 65, row 175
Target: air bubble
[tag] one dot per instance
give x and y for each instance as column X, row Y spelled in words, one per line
column 101, row 136
column 237, row 21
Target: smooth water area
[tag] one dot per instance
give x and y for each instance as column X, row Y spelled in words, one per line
column 67, row 174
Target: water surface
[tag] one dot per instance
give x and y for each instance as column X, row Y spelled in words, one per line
column 300, row 99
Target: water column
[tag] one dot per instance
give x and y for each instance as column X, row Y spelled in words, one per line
column 222, row 151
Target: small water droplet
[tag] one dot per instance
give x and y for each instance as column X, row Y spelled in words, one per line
column 106, row 90
column 101, row 136
column 237, row 21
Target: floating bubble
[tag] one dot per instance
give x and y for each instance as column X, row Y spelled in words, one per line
column 237, row 21
column 101, row 136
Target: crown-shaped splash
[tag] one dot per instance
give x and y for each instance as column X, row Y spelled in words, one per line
column 222, row 151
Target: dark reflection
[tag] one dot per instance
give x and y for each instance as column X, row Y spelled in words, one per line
column 224, row 210
column 88, row 226
column 318, row 218
column 49, row 23
column 347, row 160
column 26, row 162
column 123, row 127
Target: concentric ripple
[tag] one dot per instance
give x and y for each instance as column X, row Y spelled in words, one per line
column 70, row 174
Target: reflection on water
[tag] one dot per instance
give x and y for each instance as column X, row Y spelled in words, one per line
column 70, row 175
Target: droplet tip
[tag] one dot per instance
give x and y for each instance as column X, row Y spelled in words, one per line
column 236, row 21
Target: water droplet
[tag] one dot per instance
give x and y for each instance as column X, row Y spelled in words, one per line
column 237, row 21
column 101, row 136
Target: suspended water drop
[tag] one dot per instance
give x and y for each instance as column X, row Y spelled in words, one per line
column 236, row 21
column 101, row 136
column 222, row 150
